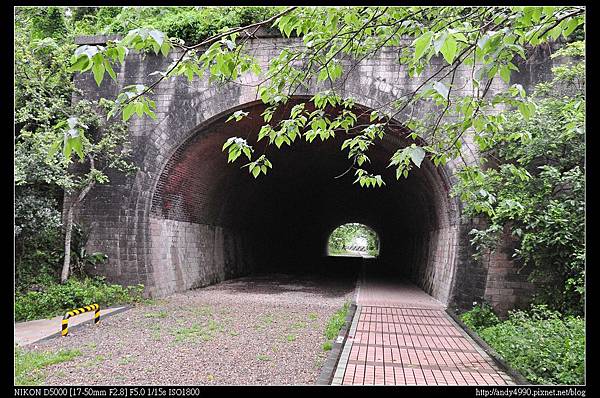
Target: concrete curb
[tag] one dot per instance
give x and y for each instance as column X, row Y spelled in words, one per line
column 80, row 325
column 330, row 365
column 518, row 377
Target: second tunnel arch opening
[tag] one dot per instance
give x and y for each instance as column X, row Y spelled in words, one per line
column 279, row 222
column 353, row 240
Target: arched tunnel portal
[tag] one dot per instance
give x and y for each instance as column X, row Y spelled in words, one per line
column 281, row 222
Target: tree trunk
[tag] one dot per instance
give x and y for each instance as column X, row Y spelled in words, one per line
column 68, row 230
column 64, row 275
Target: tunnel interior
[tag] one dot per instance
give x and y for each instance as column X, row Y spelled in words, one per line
column 281, row 221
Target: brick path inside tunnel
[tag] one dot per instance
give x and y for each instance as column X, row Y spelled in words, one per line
column 402, row 336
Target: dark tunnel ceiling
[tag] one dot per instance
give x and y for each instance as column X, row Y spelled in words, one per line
column 299, row 194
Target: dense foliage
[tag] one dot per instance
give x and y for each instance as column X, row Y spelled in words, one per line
column 480, row 317
column 535, row 186
column 46, row 124
column 543, row 345
column 56, row 299
column 190, row 24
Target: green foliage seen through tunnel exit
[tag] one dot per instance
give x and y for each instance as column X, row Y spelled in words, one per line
column 353, row 239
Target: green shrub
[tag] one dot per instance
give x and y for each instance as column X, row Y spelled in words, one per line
column 56, row 299
column 480, row 317
column 546, row 347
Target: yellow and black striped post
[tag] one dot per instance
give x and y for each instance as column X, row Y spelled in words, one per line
column 69, row 314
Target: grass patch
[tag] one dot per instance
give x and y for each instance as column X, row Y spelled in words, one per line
column 155, row 331
column 159, row 314
column 151, row 301
column 190, row 333
column 334, row 325
column 299, row 325
column 91, row 346
column 94, row 361
column 313, row 316
column 336, row 322
column 215, row 326
column 290, row 337
column 202, row 311
column 156, row 336
column 206, row 331
column 263, row 357
column 29, row 365
column 264, row 322
column 126, row 361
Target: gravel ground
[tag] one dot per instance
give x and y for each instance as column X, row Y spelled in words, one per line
column 264, row 330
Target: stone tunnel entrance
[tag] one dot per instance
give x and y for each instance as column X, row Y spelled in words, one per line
column 211, row 220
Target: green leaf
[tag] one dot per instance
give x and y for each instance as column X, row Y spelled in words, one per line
column 67, row 149
column 439, row 42
column 417, row 154
column 569, row 26
column 76, row 144
column 164, row 48
column 505, row 74
column 128, row 111
column 80, row 64
column 110, row 70
column 279, row 140
column 449, row 48
column 148, row 111
column 525, row 110
column 98, row 68
column 421, row 44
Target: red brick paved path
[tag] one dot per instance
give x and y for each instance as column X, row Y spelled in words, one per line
column 402, row 336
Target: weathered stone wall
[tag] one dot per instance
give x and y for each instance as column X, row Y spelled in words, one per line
column 200, row 237
column 190, row 255
column 506, row 285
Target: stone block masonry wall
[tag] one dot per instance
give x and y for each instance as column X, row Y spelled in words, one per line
column 494, row 278
column 506, row 286
column 189, row 255
column 471, row 275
